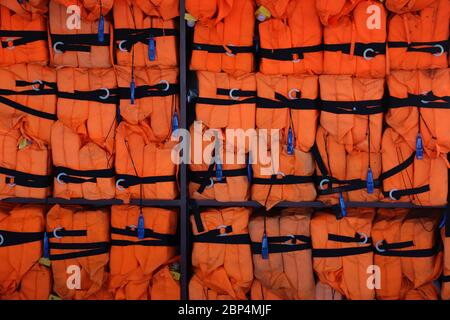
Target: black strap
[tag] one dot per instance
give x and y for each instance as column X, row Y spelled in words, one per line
column 366, row 107
column 127, row 181
column 21, row 107
column 12, row 238
column 38, row 88
column 68, row 175
column 398, row 194
column 24, row 179
column 103, row 247
column 282, row 102
column 393, row 250
column 145, row 243
column 284, row 180
column 428, row 100
column 368, row 50
column 24, row 37
column 130, row 37
column 204, row 177
column 282, row 244
column 77, row 42
column 197, row 216
column 220, row 49
column 432, row 47
column 104, row 95
column 288, row 54
column 346, row 239
column 168, row 239
column 341, row 252
column 248, row 94
column 157, row 90
column 66, row 233
column 216, row 236
column 445, row 278
column 397, row 169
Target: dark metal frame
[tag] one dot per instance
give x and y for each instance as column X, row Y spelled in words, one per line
column 183, row 203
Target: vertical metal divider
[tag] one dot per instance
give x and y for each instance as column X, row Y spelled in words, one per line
column 184, row 212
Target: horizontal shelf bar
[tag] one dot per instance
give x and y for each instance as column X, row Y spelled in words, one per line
column 313, row 204
column 98, row 203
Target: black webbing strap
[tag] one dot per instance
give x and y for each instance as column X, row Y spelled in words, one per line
column 366, row 107
column 428, row 100
column 366, row 50
column 24, row 37
column 233, row 50
column 24, row 179
column 233, row 97
column 12, row 238
column 129, row 37
column 358, row 238
column 104, row 95
column 433, row 47
column 393, row 250
column 126, row 181
column 399, row 168
column 68, row 175
column 152, row 238
column 445, row 278
column 206, row 178
column 282, row 244
column 38, row 88
column 341, row 252
column 197, row 216
column 398, row 194
column 222, row 235
column 21, row 107
column 157, row 90
column 447, row 209
column 288, row 54
column 77, row 42
column 284, row 180
column 282, row 102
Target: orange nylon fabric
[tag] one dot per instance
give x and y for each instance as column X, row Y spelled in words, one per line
column 406, row 277
column 325, row 292
column 225, row 101
column 21, row 275
column 402, row 6
column 277, row 8
column 28, row 9
column 134, row 262
column 259, row 292
column 346, row 273
column 167, row 9
column 221, row 270
column 138, row 157
column 288, row 274
column 445, row 290
column 130, row 23
column 331, row 12
column 289, row 102
column 230, row 35
column 89, row 228
column 356, row 44
column 71, row 46
column 35, row 48
column 90, row 9
column 165, row 284
column 408, row 30
column 301, row 29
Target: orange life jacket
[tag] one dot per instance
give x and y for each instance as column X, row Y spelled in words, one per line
column 292, row 45
column 293, row 181
column 22, row 277
column 343, row 175
column 225, row 42
column 24, row 167
column 331, row 12
column 90, row 10
column 27, row 9
column 143, row 240
column 28, row 100
column 82, row 169
column 402, row 6
column 73, row 45
column 407, row 254
column 423, row 182
column 259, row 292
column 144, row 169
column 352, row 111
column 289, row 103
column 342, row 251
column 87, row 103
column 445, row 232
column 221, row 254
column 419, row 40
column 276, row 8
column 166, row 9
column 325, row 292
column 213, row 176
column 154, row 98
column 79, row 243
column 143, row 40
column 356, row 45
column 284, row 263
column 23, row 40
column 418, row 109
column 225, row 101
column 165, row 283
